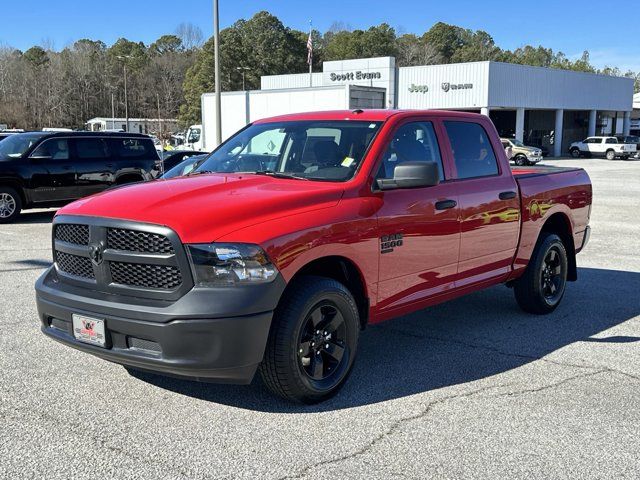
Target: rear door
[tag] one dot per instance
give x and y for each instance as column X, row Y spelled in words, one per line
column 94, row 165
column 488, row 200
column 419, row 227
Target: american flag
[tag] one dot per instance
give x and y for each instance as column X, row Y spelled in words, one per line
column 309, row 49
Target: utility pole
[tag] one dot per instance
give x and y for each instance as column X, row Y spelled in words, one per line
column 216, row 48
column 113, row 111
column 124, row 59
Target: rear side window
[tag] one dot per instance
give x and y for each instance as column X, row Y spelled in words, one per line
column 88, row 148
column 611, row 140
column 133, row 148
column 472, row 151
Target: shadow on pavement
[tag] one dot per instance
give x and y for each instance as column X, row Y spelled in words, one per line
column 474, row 337
column 35, row 217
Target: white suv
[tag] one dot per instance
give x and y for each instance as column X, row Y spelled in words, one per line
column 608, row 147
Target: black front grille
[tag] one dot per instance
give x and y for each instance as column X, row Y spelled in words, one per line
column 148, row 276
column 135, row 241
column 121, row 257
column 75, row 265
column 142, row 344
column 72, row 233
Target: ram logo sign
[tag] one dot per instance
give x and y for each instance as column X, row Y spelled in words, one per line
column 446, row 86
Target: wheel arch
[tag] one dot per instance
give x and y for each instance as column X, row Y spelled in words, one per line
column 17, row 186
column 343, row 270
column 559, row 224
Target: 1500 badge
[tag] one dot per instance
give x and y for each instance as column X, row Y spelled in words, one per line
column 389, row 242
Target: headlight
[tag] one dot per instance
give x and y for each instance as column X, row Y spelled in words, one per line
column 225, row 264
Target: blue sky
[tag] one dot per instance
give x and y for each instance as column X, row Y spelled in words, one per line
column 568, row 25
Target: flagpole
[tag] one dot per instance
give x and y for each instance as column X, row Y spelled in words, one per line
column 310, row 47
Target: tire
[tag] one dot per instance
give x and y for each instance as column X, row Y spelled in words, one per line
column 521, row 160
column 575, row 152
column 533, row 290
column 10, row 204
column 301, row 362
column 610, row 155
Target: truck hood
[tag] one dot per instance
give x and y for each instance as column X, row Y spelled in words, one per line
column 203, row 208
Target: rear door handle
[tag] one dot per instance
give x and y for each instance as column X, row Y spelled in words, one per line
column 507, row 195
column 445, row 204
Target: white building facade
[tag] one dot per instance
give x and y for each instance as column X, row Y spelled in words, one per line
column 136, row 125
column 544, row 107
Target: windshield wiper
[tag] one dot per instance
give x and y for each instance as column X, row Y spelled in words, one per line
column 271, row 173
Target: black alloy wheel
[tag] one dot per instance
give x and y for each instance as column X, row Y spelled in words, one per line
column 542, row 285
column 313, row 340
column 552, row 280
column 322, row 344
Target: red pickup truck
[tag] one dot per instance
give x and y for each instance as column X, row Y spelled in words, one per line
column 299, row 231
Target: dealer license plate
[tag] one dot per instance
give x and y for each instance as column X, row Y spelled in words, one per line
column 88, row 330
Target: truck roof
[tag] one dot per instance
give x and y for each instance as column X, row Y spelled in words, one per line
column 373, row 115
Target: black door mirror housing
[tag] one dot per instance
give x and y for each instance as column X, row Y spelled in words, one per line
column 411, row 175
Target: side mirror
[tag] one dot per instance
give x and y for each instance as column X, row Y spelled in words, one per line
column 412, row 175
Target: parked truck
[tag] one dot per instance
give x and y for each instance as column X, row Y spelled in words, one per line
column 297, row 233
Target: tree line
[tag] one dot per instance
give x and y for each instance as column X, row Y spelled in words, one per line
column 42, row 87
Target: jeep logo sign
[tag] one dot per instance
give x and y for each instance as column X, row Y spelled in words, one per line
column 419, row 88
column 446, row 86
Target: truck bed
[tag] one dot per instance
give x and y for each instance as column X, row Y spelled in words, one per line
column 547, row 191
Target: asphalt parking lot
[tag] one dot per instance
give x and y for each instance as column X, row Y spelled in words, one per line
column 470, row 389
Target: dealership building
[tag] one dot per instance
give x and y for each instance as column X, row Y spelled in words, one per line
column 542, row 107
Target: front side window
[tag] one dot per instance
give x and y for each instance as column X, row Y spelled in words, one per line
column 413, row 142
column 56, row 149
column 472, row 151
column 315, row 150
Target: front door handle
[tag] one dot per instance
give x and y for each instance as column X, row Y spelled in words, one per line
column 445, row 204
column 507, row 195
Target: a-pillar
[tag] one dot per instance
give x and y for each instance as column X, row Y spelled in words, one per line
column 626, row 126
column 520, row 124
column 591, row 131
column 557, row 142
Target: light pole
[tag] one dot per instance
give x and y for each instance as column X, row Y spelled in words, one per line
column 216, row 49
column 243, row 70
column 124, row 58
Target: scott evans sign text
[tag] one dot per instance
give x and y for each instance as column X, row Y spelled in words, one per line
column 344, row 77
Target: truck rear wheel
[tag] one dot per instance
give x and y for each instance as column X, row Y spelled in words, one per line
column 313, row 340
column 10, row 204
column 611, row 155
column 542, row 286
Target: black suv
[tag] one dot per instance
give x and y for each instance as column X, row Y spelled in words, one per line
column 44, row 169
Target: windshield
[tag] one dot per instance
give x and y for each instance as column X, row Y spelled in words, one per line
column 314, row 150
column 517, row 143
column 15, row 146
column 185, row 167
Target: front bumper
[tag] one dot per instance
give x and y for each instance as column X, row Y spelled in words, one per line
column 206, row 335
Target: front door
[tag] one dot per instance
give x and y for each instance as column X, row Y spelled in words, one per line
column 489, row 205
column 418, row 228
column 54, row 175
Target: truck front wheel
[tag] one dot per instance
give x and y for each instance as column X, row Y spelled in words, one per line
column 313, row 340
column 542, row 286
column 575, row 152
